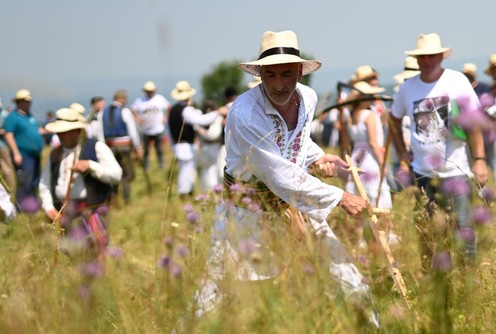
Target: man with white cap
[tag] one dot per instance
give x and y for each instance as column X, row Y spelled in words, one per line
column 269, row 156
column 151, row 113
column 77, row 177
column 470, row 71
column 444, row 110
column 24, row 138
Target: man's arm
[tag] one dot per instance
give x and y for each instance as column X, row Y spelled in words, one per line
column 16, row 155
column 479, row 167
column 396, row 128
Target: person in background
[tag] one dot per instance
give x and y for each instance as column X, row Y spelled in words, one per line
column 6, row 166
column 151, row 113
column 442, row 162
column 24, row 138
column 92, row 124
column 117, row 129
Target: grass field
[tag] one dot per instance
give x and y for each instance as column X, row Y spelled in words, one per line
column 156, row 260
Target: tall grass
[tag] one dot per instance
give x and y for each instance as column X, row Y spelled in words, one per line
column 157, row 258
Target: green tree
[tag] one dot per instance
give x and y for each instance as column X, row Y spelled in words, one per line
column 223, row 75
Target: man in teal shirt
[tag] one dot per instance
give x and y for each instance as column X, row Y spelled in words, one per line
column 25, row 142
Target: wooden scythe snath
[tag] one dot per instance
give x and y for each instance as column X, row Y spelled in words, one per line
column 379, row 235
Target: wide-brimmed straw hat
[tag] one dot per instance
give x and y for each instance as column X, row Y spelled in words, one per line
column 183, row 91
column 470, row 69
column 279, row 48
column 364, row 73
column 78, row 107
column 149, row 86
column 492, row 63
column 22, row 94
column 410, row 69
column 67, row 119
column 429, row 44
column 362, row 88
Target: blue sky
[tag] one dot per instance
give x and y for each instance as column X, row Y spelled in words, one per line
column 66, row 51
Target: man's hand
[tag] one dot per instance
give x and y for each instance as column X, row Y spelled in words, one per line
column 328, row 165
column 139, row 154
column 353, row 205
column 81, row 166
column 480, row 171
column 51, row 214
column 17, row 159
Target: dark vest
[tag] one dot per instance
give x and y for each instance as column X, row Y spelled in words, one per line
column 113, row 125
column 97, row 192
column 180, row 131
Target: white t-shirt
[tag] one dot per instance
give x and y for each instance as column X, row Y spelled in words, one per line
column 152, row 113
column 436, row 151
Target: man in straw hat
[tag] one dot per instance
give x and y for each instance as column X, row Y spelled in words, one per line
column 440, row 140
column 151, row 111
column 77, row 178
column 183, row 118
column 470, row 71
column 24, row 138
column 269, row 155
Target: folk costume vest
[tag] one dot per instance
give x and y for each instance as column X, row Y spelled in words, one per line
column 97, row 192
column 113, row 124
column 180, row 131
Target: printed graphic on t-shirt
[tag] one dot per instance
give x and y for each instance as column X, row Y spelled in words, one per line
column 431, row 118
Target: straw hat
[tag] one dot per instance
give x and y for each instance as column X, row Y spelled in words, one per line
column 22, row 94
column 67, row 119
column 78, row 107
column 279, row 48
column 429, row 44
column 410, row 69
column 470, row 68
column 363, row 73
column 254, row 83
column 183, row 91
column 492, row 63
column 149, row 86
column 363, row 88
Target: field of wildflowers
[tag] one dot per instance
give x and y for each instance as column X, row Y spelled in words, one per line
column 156, row 259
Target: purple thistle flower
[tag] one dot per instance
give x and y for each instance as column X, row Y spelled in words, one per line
column 442, row 262
column 467, row 234
column 368, row 176
column 363, row 259
column 246, row 200
column 255, row 207
column 218, row 188
column 93, row 269
column 169, row 241
column 182, row 251
column 114, row 252
column 187, row 208
column 201, row 198
column 481, row 215
column 486, row 100
column 247, row 246
column 455, row 186
column 77, row 233
column 469, row 116
column 103, row 210
column 403, row 177
column 175, row 270
column 488, row 194
column 164, row 261
column 193, row 217
column 236, row 189
column 29, row 204
column 434, row 161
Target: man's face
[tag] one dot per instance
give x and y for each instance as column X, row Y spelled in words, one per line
column 69, row 139
column 100, row 105
column 279, row 81
column 429, row 63
column 492, row 72
column 24, row 105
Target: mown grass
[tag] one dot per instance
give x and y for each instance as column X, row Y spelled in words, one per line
column 43, row 291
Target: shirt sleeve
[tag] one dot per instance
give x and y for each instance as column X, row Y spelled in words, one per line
column 128, row 118
column 106, row 169
column 196, row 117
column 287, row 180
column 44, row 187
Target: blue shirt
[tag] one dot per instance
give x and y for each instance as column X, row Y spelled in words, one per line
column 25, row 131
